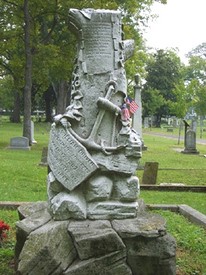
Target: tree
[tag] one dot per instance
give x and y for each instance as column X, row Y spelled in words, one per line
column 180, row 106
column 12, row 49
column 45, row 43
column 195, row 77
column 163, row 74
column 28, row 73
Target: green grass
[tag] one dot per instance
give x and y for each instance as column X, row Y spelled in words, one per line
column 22, row 179
column 191, row 244
column 174, row 167
column 195, row 200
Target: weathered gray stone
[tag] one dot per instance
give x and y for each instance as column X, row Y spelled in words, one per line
column 63, row 148
column 112, row 210
column 151, row 255
column 36, row 216
column 150, row 173
column 99, row 188
column 43, row 161
column 129, row 246
column 115, row 163
column 68, row 205
column 19, row 143
column 54, row 187
column 193, row 215
column 95, row 239
column 26, row 210
column 126, row 189
column 32, row 133
column 93, row 139
column 150, row 250
column 190, row 142
column 145, row 224
column 34, row 221
column 44, row 251
column 111, row 264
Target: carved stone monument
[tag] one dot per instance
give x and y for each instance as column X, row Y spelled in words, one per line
column 93, row 152
column 93, row 222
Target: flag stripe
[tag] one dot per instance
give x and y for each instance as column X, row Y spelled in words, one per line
column 132, row 105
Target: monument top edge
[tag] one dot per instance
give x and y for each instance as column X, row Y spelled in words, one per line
column 90, row 10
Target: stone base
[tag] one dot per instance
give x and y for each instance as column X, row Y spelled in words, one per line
column 103, row 247
column 190, row 151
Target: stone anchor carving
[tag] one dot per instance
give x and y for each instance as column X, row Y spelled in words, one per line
column 93, row 152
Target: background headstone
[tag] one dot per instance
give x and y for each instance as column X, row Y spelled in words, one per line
column 190, row 143
column 32, row 133
column 19, row 143
column 150, row 173
column 44, row 156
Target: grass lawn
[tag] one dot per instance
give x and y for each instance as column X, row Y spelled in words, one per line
column 23, row 179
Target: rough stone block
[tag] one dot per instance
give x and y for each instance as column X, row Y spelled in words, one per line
column 151, row 255
column 112, row 210
column 99, row 188
column 126, row 189
column 145, row 224
column 33, row 221
column 93, row 240
column 66, row 206
column 45, row 251
column 27, row 209
column 111, row 264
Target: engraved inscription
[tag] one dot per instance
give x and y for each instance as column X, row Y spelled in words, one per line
column 98, row 46
column 68, row 159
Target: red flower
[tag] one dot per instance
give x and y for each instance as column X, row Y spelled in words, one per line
column 3, row 227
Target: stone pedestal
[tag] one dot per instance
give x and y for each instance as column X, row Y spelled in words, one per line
column 111, row 247
column 190, row 143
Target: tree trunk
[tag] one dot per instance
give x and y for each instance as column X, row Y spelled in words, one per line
column 61, row 91
column 48, row 97
column 28, row 74
column 15, row 117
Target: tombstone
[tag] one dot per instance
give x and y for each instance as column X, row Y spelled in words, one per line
column 190, row 143
column 44, row 157
column 32, row 133
column 96, row 138
column 137, row 116
column 194, row 125
column 169, row 122
column 146, row 122
column 150, row 173
column 175, row 122
column 19, row 143
column 93, row 222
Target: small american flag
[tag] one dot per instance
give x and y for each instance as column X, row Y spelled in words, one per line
column 125, row 113
column 132, row 105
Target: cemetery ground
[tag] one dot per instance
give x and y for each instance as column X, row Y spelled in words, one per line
column 23, row 179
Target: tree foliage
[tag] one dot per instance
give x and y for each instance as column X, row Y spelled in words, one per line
column 163, row 74
column 195, row 77
column 52, row 46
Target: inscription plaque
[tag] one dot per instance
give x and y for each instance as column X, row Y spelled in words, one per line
column 98, row 43
column 68, row 159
